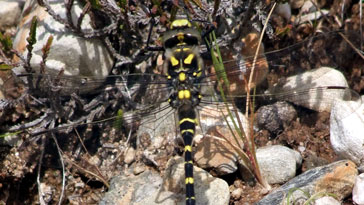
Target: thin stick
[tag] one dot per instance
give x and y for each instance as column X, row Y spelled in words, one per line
column 63, row 170
column 252, row 145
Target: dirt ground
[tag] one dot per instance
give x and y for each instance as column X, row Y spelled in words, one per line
column 93, row 154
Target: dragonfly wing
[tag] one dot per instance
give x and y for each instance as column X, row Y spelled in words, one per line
column 315, row 89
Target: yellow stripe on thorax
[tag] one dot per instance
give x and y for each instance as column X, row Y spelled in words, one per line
column 174, row 61
column 180, row 23
column 189, row 59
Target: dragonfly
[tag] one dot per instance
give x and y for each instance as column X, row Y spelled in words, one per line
column 145, row 94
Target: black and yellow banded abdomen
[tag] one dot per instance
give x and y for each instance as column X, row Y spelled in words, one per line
column 187, row 125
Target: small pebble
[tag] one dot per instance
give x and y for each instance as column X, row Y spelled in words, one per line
column 138, row 169
column 129, row 155
column 236, row 194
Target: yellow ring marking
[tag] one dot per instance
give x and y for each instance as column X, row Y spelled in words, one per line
column 188, row 148
column 188, row 130
column 187, row 120
column 189, row 180
column 189, row 162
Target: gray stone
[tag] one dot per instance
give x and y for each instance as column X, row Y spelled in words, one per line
column 276, row 117
column 346, row 130
column 81, row 60
column 277, row 163
column 336, row 178
column 134, row 190
column 150, row 188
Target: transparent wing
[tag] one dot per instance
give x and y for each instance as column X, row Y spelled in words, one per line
column 143, row 93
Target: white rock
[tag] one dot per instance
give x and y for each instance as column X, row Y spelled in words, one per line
column 327, row 200
column 77, row 56
column 311, row 16
column 129, row 155
column 278, row 163
column 307, row 7
column 311, row 89
column 346, row 130
column 10, row 11
column 358, row 191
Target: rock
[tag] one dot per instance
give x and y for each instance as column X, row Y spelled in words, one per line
column 208, row 189
column 358, row 191
column 336, row 178
column 278, row 163
column 310, row 16
column 284, row 10
column 129, row 155
column 10, row 12
column 83, row 59
column 346, row 130
column 327, row 200
column 47, row 193
column 95, row 160
column 138, row 169
column 134, row 190
column 150, row 188
column 311, row 161
column 236, row 194
column 276, row 117
column 215, row 153
column 213, row 115
column 308, row 7
column 311, row 89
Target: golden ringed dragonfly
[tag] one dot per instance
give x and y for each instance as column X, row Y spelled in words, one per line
column 186, row 83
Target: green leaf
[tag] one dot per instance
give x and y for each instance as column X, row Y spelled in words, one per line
column 118, row 119
column 47, row 47
column 32, row 34
column 6, row 42
column 5, row 67
column 9, row 134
